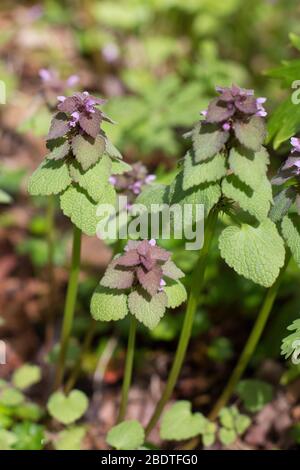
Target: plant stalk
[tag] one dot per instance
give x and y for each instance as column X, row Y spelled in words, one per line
column 51, row 277
column 196, row 285
column 69, row 307
column 89, row 336
column 251, row 344
column 128, row 369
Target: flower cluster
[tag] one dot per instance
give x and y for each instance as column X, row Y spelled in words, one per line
column 131, row 183
column 142, row 263
column 75, row 129
column 291, row 167
column 234, row 104
column 81, row 114
column 145, row 279
column 80, row 161
column 288, row 175
column 53, row 85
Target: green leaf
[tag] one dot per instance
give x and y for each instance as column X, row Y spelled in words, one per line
column 70, row 439
column 7, row 439
column 291, row 343
column 284, row 122
column 251, row 134
column 153, row 194
column 207, row 194
column 59, row 149
column 295, row 40
column 227, row 418
column 208, row 139
column 51, row 177
column 4, row 197
column 170, row 270
column 26, row 376
column 242, row 423
column 290, row 227
column 179, row 423
column 282, row 203
column 227, row 436
column 255, row 394
column 75, row 204
column 257, row 202
column 108, row 304
column 176, row 293
column 11, row 397
column 30, row 436
column 95, row 179
column 208, row 439
column 28, row 411
column 148, row 310
column 255, row 253
column 67, row 409
column 112, row 151
column 118, row 167
column 249, row 166
column 88, row 150
column 195, row 174
column 128, row 435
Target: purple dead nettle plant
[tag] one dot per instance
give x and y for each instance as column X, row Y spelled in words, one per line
column 78, row 166
column 226, row 170
column 143, row 282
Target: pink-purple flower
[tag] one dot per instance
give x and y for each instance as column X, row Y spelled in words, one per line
column 132, row 182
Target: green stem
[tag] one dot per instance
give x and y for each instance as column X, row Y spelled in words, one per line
column 69, row 307
column 51, row 278
column 85, row 347
column 128, row 369
column 251, row 344
column 196, row 285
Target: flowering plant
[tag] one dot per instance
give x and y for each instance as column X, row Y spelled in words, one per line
column 143, row 281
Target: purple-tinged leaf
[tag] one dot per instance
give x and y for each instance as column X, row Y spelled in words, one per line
column 68, row 105
column 170, row 270
column 131, row 258
column 252, row 133
column 246, row 105
column 208, row 139
column 88, row 150
column 150, row 280
column 218, row 111
column 60, row 150
column 90, row 123
column 59, row 126
column 117, row 278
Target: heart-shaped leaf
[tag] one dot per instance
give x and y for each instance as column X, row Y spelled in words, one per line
column 67, row 409
column 148, row 310
column 176, row 293
column 179, row 423
column 88, row 150
column 70, row 439
column 128, row 435
column 251, row 134
column 208, row 139
column 255, row 253
column 195, row 174
column 26, row 376
column 255, row 394
column 51, row 177
column 108, row 304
